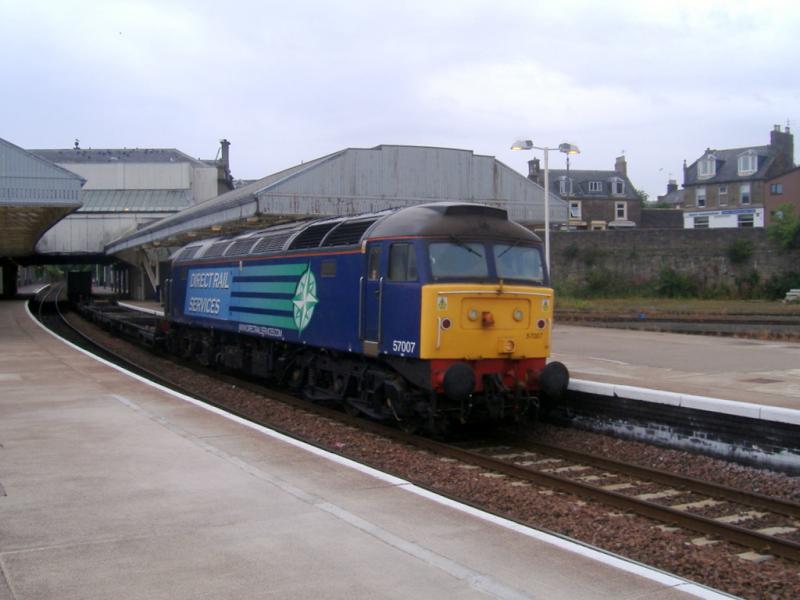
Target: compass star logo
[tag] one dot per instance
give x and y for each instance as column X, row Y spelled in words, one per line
column 305, row 299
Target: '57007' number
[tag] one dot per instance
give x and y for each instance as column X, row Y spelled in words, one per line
column 403, row 346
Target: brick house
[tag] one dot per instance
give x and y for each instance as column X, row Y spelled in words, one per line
column 596, row 199
column 729, row 188
column 783, row 189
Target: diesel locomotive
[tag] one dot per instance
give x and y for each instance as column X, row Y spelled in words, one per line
column 428, row 315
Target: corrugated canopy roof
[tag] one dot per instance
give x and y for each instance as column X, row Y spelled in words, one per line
column 135, row 200
column 115, row 155
column 354, row 181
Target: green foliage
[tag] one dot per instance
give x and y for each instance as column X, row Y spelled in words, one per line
column 785, row 228
column 740, row 251
column 748, row 285
column 643, row 196
column 571, row 252
column 672, row 284
column 592, row 256
column 775, row 287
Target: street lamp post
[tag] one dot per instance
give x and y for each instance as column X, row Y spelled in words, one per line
column 566, row 149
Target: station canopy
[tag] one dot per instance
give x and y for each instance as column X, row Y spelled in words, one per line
column 34, row 195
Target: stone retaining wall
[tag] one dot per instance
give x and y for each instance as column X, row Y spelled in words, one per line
column 638, row 256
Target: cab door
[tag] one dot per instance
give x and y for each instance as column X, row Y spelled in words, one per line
column 372, row 300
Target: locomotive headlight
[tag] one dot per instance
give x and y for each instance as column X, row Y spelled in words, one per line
column 518, row 314
column 472, row 315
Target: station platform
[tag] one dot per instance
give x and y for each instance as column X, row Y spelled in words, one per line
column 113, row 488
column 763, row 373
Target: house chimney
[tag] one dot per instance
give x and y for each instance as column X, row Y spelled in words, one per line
column 672, row 186
column 782, row 146
column 534, row 172
column 620, row 166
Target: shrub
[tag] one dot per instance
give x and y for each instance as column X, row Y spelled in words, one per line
column 740, row 251
column 747, row 286
column 672, row 284
column 785, row 228
column 571, row 252
column 775, row 287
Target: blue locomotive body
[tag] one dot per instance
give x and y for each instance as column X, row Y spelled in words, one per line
column 431, row 313
column 320, row 300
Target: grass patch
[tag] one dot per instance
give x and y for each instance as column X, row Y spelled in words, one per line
column 652, row 306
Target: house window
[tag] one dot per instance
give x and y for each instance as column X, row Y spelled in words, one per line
column 617, row 187
column 564, row 186
column 700, row 196
column 722, row 192
column 575, row 210
column 701, row 222
column 776, row 189
column 748, row 163
column 744, row 193
column 707, row 167
column 745, row 220
column 595, row 186
column 620, row 211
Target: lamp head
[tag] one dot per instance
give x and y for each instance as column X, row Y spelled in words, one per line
column 522, row 145
column 567, row 148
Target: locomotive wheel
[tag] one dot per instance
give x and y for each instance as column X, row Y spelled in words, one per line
column 410, row 424
column 350, row 409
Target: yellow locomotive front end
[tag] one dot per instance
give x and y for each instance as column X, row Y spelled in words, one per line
column 490, row 321
column 486, row 337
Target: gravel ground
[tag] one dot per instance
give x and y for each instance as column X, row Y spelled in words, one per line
column 716, row 565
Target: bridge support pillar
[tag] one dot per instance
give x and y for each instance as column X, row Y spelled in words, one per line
column 8, row 282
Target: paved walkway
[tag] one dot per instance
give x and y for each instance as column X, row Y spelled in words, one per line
column 737, row 369
column 111, row 488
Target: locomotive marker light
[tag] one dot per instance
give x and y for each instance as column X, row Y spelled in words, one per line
column 567, row 149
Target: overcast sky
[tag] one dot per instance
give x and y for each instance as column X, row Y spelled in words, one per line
column 292, row 80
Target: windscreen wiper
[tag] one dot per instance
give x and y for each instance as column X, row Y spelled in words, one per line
column 463, row 245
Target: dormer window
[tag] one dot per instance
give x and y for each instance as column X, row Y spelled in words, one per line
column 617, row 186
column 707, row 167
column 596, row 186
column 748, row 163
column 565, row 186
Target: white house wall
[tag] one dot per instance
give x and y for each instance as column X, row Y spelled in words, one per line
column 724, row 218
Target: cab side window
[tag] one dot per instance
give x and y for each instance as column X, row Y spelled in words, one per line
column 374, row 263
column 402, row 262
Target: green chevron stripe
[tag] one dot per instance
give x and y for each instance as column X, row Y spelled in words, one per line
column 273, row 270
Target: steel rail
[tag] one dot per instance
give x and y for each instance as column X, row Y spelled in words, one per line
column 737, row 496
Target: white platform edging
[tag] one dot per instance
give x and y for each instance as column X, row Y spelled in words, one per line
column 718, row 405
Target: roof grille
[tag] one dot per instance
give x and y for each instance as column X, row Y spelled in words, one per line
column 240, row 247
column 311, row 236
column 270, row 243
column 216, row 250
column 347, row 233
column 476, row 210
column 188, row 253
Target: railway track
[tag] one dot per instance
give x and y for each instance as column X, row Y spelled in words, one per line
column 666, row 497
column 671, row 499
